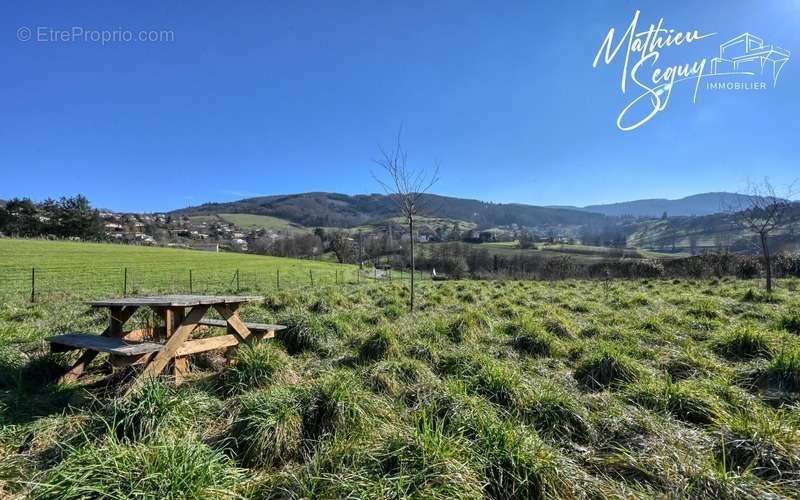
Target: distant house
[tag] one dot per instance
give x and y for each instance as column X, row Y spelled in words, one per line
column 239, row 244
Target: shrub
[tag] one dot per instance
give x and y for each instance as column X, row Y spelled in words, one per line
column 743, row 343
column 606, row 367
column 748, row 267
column 181, row 467
column 268, row 430
column 257, row 365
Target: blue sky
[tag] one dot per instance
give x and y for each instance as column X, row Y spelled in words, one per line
column 280, row 97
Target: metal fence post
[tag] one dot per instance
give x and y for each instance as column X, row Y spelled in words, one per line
column 278, row 278
column 125, row 283
column 237, row 281
column 311, row 276
column 190, row 281
column 33, row 284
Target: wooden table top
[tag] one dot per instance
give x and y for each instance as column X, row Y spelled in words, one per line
column 174, row 300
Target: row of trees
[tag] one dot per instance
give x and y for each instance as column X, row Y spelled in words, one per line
column 62, row 218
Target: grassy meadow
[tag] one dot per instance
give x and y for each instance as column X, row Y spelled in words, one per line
column 85, row 268
column 571, row 389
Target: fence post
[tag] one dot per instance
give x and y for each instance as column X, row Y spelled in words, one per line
column 33, row 284
column 237, row 281
column 311, row 276
column 278, row 278
column 190, row 281
column 125, row 284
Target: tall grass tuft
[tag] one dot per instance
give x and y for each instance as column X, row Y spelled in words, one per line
column 467, row 325
column 381, row 344
column 531, row 338
column 305, row 332
column 268, row 430
column 556, row 414
column 790, row 322
column 427, row 462
column 743, row 343
column 765, row 442
column 257, row 365
column 335, row 404
column 174, row 468
column 606, row 367
column 687, row 400
column 157, row 409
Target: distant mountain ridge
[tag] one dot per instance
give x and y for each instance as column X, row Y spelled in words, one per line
column 341, row 210
column 695, row 205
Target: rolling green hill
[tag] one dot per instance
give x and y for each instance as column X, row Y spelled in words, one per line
column 339, row 210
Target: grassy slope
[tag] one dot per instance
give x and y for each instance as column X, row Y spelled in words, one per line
column 87, row 265
column 250, row 221
column 634, row 389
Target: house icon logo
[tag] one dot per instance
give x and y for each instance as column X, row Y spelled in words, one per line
column 747, row 54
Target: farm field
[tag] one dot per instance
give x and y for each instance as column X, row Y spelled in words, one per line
column 569, row 389
column 80, row 267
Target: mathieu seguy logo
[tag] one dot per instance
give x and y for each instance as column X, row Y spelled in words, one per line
column 743, row 62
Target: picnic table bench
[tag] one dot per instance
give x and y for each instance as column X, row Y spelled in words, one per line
column 171, row 342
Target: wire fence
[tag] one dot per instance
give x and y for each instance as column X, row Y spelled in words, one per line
column 36, row 283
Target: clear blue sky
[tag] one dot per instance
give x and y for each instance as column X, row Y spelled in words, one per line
column 280, row 97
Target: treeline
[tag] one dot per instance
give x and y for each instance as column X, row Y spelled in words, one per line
column 67, row 217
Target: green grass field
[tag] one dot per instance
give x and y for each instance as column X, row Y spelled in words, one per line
column 95, row 267
column 250, row 221
column 571, row 389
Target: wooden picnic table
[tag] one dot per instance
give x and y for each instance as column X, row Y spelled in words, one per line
column 171, row 341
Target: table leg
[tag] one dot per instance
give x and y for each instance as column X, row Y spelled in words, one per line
column 161, row 359
column 180, row 364
column 235, row 326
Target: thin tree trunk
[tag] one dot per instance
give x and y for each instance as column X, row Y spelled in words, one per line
column 411, row 231
column 767, row 261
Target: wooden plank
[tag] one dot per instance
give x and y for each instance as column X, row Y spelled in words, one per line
column 231, row 315
column 265, row 327
column 87, row 357
column 180, row 366
column 160, row 360
column 116, row 321
column 111, row 345
column 174, row 300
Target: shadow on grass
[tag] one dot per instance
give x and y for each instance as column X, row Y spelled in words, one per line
column 28, row 388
